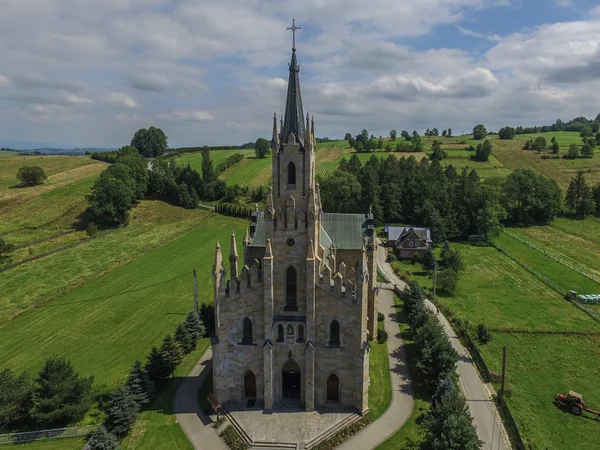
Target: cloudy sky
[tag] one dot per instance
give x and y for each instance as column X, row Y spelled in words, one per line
column 91, row 72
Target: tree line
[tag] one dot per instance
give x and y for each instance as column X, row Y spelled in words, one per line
column 451, row 204
column 131, row 178
column 448, row 424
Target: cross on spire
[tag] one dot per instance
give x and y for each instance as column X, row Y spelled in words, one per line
column 294, row 28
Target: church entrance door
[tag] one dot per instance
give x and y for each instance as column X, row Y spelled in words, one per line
column 290, row 380
column 249, row 385
column 333, row 389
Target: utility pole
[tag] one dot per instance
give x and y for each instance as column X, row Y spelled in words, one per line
column 503, row 372
column 195, row 293
column 435, row 268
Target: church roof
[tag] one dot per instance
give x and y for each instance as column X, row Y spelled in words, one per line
column 294, row 115
column 345, row 231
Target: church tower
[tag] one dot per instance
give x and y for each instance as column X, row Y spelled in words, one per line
column 294, row 324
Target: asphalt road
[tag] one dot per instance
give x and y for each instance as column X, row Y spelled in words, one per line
column 485, row 416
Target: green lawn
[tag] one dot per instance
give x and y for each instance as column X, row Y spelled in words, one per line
column 558, row 273
column 411, row 432
column 157, row 427
column 217, row 157
column 107, row 323
column 52, row 444
column 380, row 387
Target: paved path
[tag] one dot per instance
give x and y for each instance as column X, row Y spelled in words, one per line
column 185, row 405
column 402, row 402
column 484, row 412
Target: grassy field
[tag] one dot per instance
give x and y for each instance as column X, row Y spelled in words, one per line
column 497, row 292
column 380, row 388
column 511, row 154
column 119, row 316
column 558, row 273
column 251, row 171
column 36, row 283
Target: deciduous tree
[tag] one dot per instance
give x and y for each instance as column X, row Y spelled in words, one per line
column 31, row 175
column 262, row 147
column 393, row 135
column 479, row 132
column 151, row 142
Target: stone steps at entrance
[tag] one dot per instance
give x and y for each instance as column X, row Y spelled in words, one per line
column 331, row 431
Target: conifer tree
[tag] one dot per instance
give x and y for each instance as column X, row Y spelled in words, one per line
column 15, row 398
column 429, row 260
column 121, row 411
column 445, row 251
column 449, row 425
column 185, row 339
column 139, row 384
column 171, row 352
column 102, row 439
column 579, row 198
column 157, row 367
column 60, row 395
column 194, row 324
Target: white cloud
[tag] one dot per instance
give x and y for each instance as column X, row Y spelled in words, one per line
column 4, row 81
column 187, row 116
column 489, row 37
column 121, row 99
column 75, row 99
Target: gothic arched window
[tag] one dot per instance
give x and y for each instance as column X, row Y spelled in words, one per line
column 290, row 289
column 247, row 331
column 300, row 333
column 291, row 173
column 280, row 333
column 334, row 333
column 290, row 330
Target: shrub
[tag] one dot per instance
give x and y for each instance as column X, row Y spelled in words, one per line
column 392, row 258
column 448, row 281
column 6, row 249
column 102, row 439
column 91, row 229
column 416, row 258
column 31, row 175
column 232, row 439
column 382, row 336
column 380, row 317
column 483, row 334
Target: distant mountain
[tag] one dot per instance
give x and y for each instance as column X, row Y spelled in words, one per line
column 50, row 148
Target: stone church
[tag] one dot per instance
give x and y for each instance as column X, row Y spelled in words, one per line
column 293, row 325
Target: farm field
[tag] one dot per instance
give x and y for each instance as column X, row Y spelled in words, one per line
column 35, row 283
column 545, row 356
column 582, row 253
column 566, row 278
column 251, row 171
column 511, row 154
column 121, row 314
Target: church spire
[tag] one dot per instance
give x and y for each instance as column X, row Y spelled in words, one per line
column 275, row 138
column 294, row 115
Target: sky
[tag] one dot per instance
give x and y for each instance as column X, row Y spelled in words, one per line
column 91, row 73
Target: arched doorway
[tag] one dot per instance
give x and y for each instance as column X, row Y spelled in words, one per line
column 333, row 388
column 290, row 380
column 249, row 384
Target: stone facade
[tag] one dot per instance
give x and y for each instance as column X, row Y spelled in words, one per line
column 294, row 323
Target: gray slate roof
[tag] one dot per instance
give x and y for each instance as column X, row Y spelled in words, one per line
column 345, row 231
column 394, row 233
